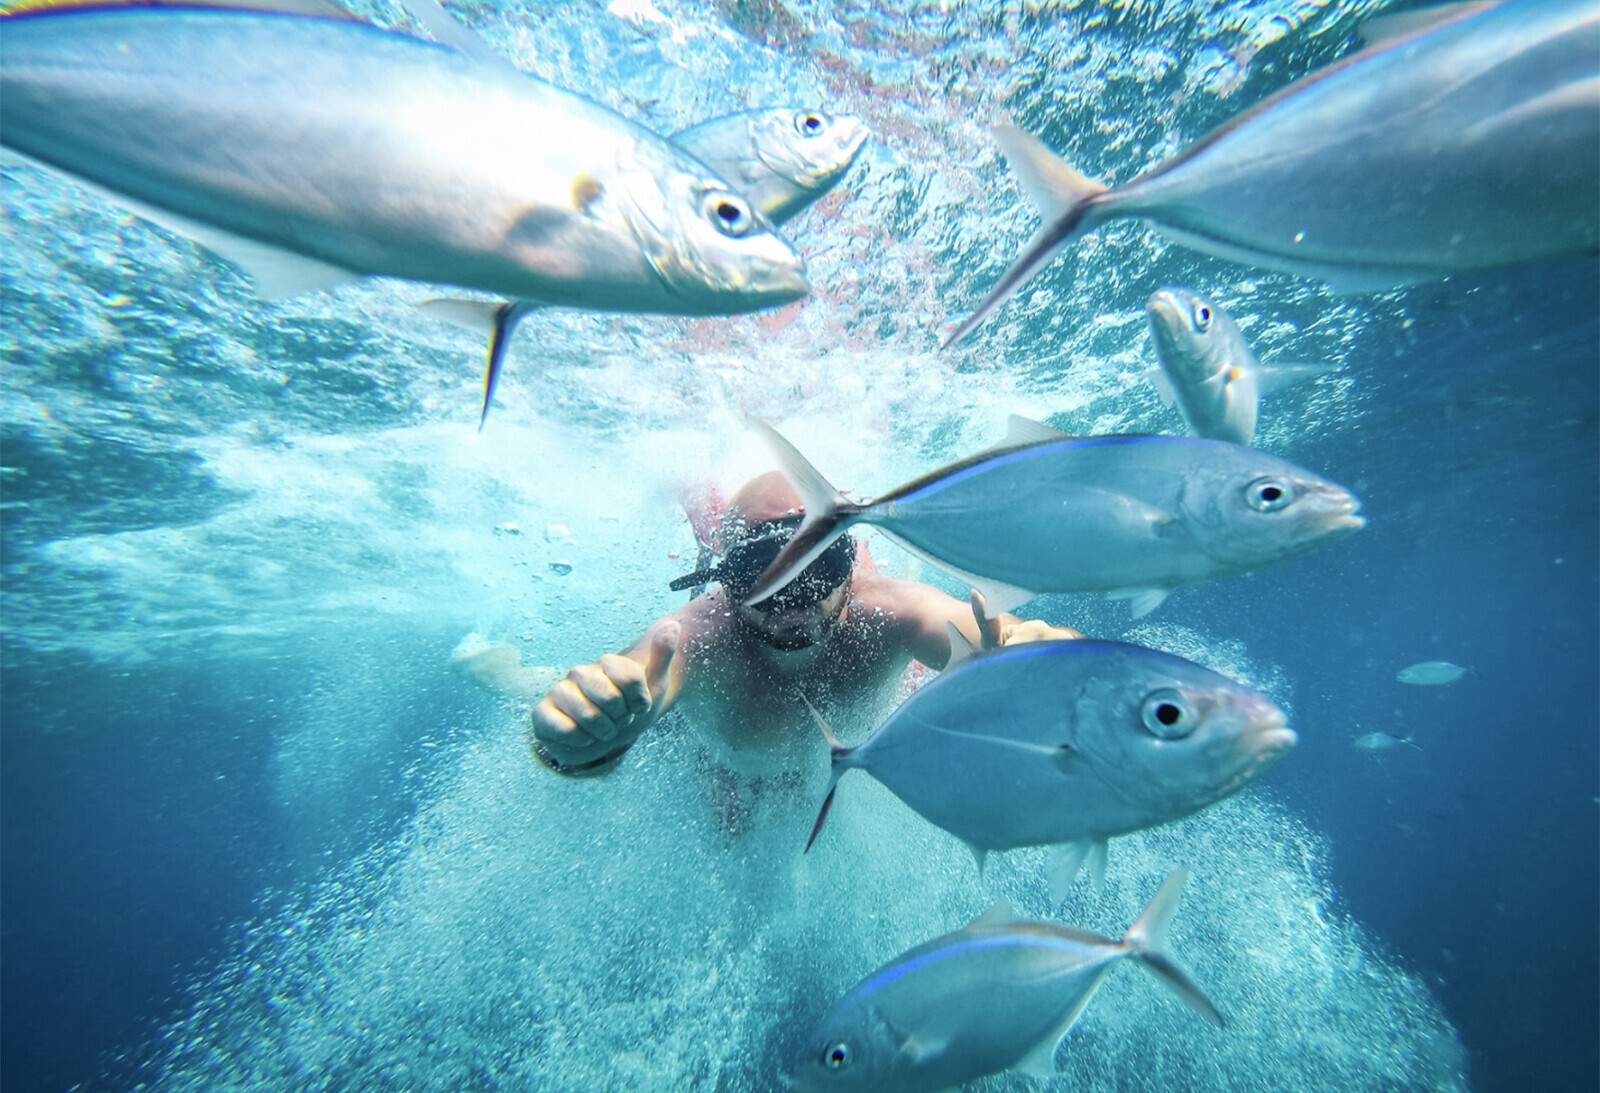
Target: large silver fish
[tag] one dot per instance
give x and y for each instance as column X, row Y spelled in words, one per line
column 315, row 150
column 780, row 159
column 1131, row 516
column 1000, row 994
column 1467, row 143
column 1207, row 368
column 1065, row 744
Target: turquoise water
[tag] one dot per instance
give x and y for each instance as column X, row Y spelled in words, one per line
column 258, row 832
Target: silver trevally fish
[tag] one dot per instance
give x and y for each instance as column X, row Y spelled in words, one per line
column 1000, row 994
column 1207, row 368
column 1382, row 741
column 1431, row 673
column 1470, row 143
column 1065, row 744
column 780, row 159
column 315, row 150
column 1131, row 516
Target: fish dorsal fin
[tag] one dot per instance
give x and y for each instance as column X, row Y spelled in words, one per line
column 1024, row 430
column 1053, row 186
column 961, row 650
column 277, row 273
column 1383, row 29
column 998, row 915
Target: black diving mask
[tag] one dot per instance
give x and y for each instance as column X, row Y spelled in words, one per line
column 749, row 558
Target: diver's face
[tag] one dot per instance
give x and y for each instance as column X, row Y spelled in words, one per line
column 791, row 628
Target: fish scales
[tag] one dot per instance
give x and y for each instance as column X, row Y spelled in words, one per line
column 376, row 153
column 1056, row 743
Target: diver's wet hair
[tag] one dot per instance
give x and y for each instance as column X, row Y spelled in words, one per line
column 753, row 548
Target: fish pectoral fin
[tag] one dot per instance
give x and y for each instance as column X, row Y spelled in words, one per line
column 1025, row 430
column 1272, row 378
column 1142, row 600
column 918, row 1047
column 1163, row 386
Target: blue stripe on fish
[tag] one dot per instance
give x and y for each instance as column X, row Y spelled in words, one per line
column 895, row 972
column 1032, row 451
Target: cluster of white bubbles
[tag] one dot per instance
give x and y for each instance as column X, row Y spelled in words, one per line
column 525, row 931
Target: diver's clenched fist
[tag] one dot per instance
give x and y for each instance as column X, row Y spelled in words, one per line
column 601, row 708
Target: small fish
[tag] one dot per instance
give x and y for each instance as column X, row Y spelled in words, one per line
column 781, row 160
column 1431, row 673
column 1464, row 143
column 1208, row 370
column 1382, row 741
column 313, row 151
column 1131, row 516
column 1065, row 744
column 1000, row 994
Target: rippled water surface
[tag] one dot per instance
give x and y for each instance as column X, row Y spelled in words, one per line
column 257, row 833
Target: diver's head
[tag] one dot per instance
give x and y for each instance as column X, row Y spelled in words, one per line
column 760, row 519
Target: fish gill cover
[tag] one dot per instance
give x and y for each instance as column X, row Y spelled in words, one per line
column 188, row 468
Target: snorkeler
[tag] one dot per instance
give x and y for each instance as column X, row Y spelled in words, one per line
column 840, row 631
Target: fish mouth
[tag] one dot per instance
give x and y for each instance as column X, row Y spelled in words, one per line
column 1165, row 303
column 1341, row 513
column 785, row 287
column 853, row 135
column 1268, row 740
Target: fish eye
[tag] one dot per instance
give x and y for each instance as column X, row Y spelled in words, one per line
column 836, row 1057
column 1202, row 318
column 1167, row 715
column 809, row 125
column 729, row 213
column 1268, row 494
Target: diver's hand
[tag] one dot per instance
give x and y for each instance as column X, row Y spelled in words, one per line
column 1010, row 630
column 601, row 708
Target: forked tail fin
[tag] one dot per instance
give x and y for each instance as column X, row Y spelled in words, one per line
column 828, row 515
column 1146, row 940
column 1063, row 198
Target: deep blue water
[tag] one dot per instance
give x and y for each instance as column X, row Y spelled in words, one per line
column 225, row 745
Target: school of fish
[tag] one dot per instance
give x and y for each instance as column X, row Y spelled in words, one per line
column 311, row 148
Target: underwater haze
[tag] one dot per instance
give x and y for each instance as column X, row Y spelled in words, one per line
column 257, row 832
